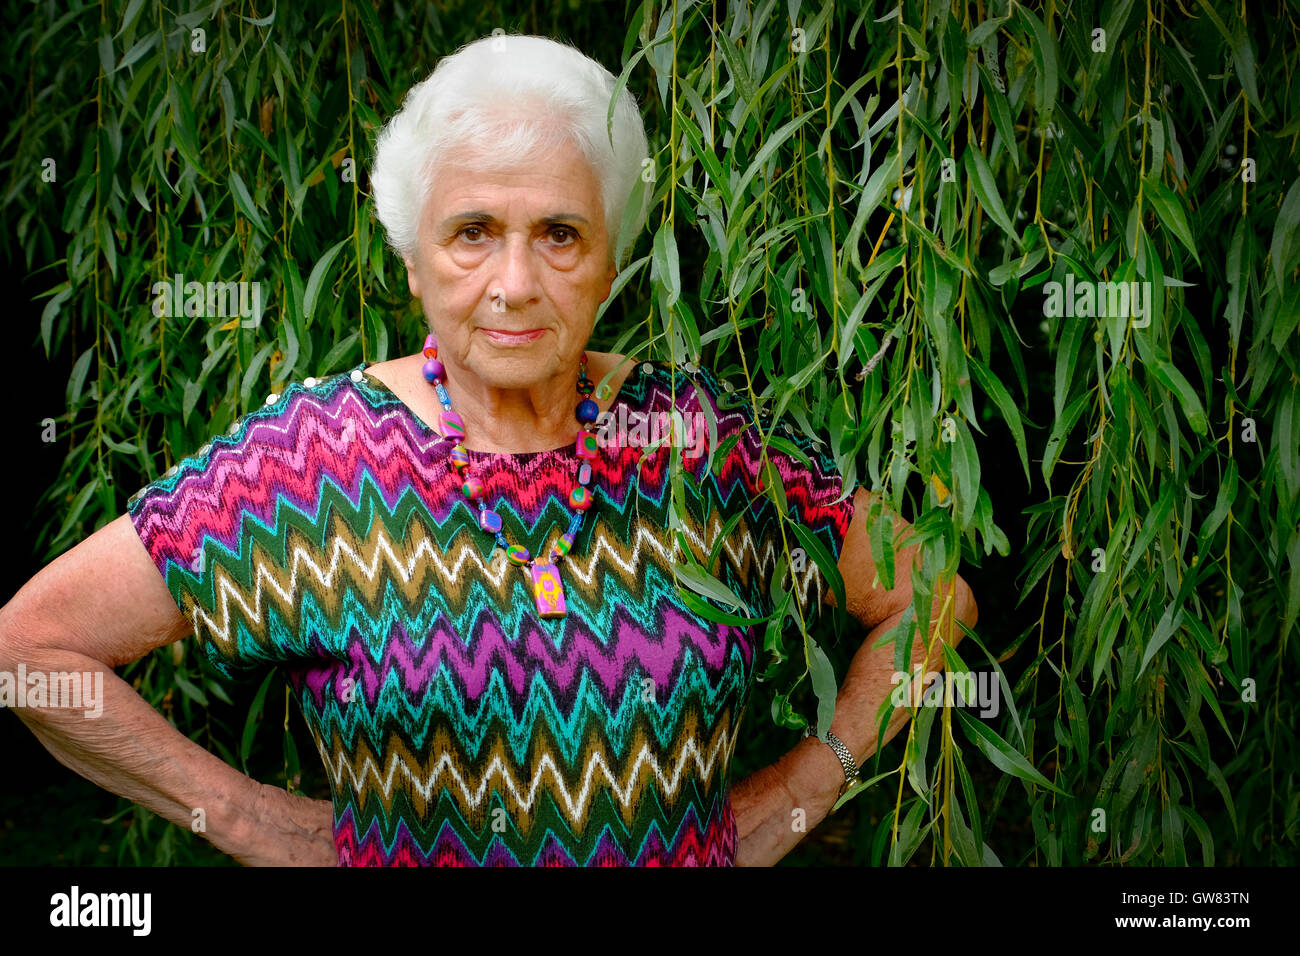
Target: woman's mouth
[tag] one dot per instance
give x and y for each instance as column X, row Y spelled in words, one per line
column 506, row 337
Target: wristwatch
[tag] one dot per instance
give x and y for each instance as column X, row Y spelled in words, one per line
column 843, row 753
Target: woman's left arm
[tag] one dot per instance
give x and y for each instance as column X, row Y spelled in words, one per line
column 809, row 777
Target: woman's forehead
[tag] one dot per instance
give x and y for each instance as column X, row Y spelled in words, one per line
column 553, row 178
column 562, row 160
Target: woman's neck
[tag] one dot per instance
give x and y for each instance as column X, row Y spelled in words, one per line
column 516, row 420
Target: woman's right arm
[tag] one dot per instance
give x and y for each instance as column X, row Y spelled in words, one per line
column 102, row 605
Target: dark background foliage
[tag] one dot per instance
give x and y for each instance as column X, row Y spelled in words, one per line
column 1122, row 496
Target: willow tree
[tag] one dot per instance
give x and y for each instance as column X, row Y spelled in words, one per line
column 1026, row 270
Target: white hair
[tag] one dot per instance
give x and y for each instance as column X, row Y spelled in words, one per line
column 499, row 100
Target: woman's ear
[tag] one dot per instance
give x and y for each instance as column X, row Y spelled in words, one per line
column 412, row 277
column 610, row 276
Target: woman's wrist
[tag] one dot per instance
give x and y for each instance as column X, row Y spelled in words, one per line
column 814, row 776
column 284, row 829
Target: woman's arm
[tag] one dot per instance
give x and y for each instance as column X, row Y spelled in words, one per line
column 809, row 777
column 102, row 605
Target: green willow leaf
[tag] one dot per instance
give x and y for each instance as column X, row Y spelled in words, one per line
column 128, row 17
column 770, row 146
column 1186, row 397
column 1285, row 247
column 822, row 558
column 1155, row 520
column 994, row 389
column 77, row 381
column 825, row 686
column 1169, row 209
column 667, row 266
column 1002, row 754
column 244, row 202
column 703, row 583
column 711, row 613
column 317, row 277
column 1047, row 62
column 253, row 721
column 986, row 190
column 106, row 56
column 1168, row 625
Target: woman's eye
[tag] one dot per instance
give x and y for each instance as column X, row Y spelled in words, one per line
column 564, row 232
column 471, row 229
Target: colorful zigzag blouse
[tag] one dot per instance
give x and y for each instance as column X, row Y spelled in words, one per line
column 327, row 535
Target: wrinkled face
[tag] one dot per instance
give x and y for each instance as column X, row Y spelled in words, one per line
column 511, row 266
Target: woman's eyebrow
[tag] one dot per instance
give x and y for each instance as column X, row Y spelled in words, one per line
column 479, row 215
column 563, row 219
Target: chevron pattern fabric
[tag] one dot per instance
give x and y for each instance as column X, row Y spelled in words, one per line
column 327, row 536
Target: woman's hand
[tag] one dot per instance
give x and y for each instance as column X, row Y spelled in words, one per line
column 290, row 830
column 770, row 819
column 102, row 605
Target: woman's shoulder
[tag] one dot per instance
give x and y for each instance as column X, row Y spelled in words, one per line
column 682, row 384
column 311, row 396
column 277, row 422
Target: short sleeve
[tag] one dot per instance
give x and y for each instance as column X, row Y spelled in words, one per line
column 204, row 525
column 812, row 485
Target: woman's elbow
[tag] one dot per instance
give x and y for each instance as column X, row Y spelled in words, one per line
column 11, row 632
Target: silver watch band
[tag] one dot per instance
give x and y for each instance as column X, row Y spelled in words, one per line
column 843, row 753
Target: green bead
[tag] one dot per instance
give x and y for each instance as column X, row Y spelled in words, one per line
column 562, row 546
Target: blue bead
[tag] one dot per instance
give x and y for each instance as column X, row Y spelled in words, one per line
column 587, row 410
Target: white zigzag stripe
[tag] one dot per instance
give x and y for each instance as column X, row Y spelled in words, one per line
column 472, row 796
column 404, row 561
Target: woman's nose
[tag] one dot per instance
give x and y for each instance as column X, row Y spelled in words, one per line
column 517, row 281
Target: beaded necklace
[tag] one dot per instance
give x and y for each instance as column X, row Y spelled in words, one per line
column 548, row 589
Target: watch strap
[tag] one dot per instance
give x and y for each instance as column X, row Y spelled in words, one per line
column 843, row 753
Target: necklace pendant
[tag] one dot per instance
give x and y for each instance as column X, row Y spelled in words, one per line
column 548, row 591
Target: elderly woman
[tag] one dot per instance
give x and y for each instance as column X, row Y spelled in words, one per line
column 469, row 585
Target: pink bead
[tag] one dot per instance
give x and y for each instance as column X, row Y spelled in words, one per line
column 548, row 591
column 453, row 426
